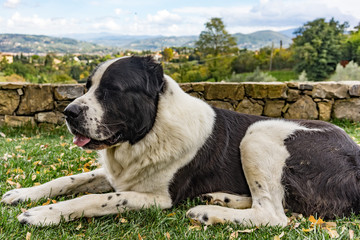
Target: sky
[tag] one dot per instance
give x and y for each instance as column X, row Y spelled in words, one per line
column 166, row 17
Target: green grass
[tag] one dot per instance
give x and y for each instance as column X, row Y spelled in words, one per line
column 29, row 156
column 284, row 75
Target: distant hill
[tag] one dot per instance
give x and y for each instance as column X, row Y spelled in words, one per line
column 104, row 43
column 261, row 39
column 250, row 41
column 289, row 32
column 38, row 44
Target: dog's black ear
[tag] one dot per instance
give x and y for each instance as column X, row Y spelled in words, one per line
column 155, row 72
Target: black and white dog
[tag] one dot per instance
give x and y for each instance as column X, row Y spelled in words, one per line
column 159, row 146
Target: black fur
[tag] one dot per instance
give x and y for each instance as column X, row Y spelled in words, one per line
column 217, row 166
column 323, row 172
column 132, row 86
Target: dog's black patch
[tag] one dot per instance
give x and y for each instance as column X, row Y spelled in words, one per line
column 129, row 91
column 217, row 166
column 327, row 184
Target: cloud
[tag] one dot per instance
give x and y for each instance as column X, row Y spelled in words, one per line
column 119, row 11
column 163, row 17
column 24, row 24
column 11, row 3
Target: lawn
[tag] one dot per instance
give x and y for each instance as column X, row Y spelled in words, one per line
column 31, row 156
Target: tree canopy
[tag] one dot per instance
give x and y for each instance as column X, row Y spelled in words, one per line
column 317, row 47
column 215, row 39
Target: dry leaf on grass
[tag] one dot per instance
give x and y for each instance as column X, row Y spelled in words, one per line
column 235, row 235
column 28, row 236
column 351, row 234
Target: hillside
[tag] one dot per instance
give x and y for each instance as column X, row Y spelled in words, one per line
column 103, row 43
column 43, row 44
column 261, row 39
column 250, row 41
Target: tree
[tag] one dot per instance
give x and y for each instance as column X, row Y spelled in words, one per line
column 317, row 48
column 215, row 39
column 168, row 54
column 352, row 46
column 245, row 62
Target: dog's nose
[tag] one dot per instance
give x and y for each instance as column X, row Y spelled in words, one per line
column 72, row 111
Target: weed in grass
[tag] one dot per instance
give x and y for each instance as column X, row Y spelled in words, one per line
column 30, row 156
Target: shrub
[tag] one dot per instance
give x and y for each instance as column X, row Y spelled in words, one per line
column 350, row 72
column 259, row 76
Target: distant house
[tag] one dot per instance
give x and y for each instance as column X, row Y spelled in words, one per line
column 8, row 57
column 158, row 56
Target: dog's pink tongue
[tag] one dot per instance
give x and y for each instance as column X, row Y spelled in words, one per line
column 81, row 140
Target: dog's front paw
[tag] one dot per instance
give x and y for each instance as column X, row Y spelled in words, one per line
column 41, row 216
column 15, row 196
column 205, row 214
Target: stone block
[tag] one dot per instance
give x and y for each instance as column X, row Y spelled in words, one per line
column 17, row 121
column 266, row 90
column 61, row 105
column 300, row 85
column 196, row 94
column 50, row 117
column 68, row 92
column 330, row 90
column 36, row 98
column 304, row 108
column 186, row 87
column 354, row 90
column 9, row 101
column 220, row 91
column 347, row 109
column 12, row 85
column 249, row 107
column 273, row 108
column 325, row 110
column 221, row 104
column 199, row 87
column 293, row 95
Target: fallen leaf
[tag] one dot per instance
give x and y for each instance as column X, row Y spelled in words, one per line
column 330, row 224
column 47, row 202
column 247, row 230
column 234, row 235
column 140, row 237
column 79, row 227
column 28, row 236
column 332, row 233
column 167, row 235
column 198, row 228
column 123, row 220
column 276, row 237
column 307, row 230
column 33, row 177
column 351, row 234
column 171, row 214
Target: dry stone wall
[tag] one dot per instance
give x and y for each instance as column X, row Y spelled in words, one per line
column 35, row 104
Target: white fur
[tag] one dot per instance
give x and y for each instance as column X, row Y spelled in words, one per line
column 141, row 173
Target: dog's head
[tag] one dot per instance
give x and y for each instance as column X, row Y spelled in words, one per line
column 120, row 104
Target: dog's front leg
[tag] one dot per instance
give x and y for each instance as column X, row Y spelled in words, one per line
column 92, row 205
column 93, row 182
